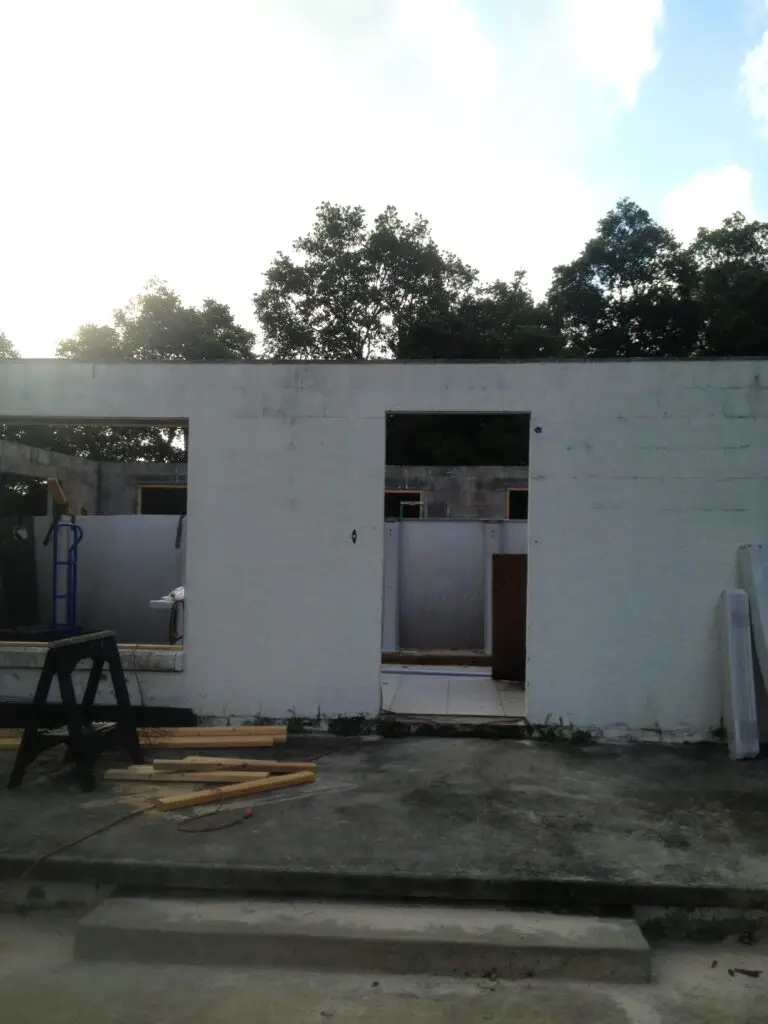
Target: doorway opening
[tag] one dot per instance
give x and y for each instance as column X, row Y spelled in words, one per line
column 455, row 576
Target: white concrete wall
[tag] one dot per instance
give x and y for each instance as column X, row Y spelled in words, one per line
column 645, row 478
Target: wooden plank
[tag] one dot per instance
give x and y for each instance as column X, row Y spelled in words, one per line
column 127, row 775
column 121, row 647
column 223, row 730
column 509, row 597
column 54, row 486
column 198, row 764
column 149, row 739
column 209, row 796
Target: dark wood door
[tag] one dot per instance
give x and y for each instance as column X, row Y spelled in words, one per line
column 509, row 599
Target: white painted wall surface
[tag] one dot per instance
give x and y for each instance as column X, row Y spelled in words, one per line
column 645, row 478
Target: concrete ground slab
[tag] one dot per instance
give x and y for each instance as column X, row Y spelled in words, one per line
column 427, row 939
column 40, row 981
column 463, row 819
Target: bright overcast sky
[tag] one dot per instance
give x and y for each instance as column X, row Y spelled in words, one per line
column 192, row 140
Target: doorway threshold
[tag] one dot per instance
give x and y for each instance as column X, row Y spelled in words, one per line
column 444, row 657
column 459, row 692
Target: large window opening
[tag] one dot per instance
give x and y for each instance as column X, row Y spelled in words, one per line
column 517, row 504
column 161, row 499
column 455, row 576
column 93, row 531
column 404, row 505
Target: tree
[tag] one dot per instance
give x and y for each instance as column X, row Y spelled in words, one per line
column 497, row 321
column 157, row 326
column 352, row 291
column 630, row 293
column 7, row 351
column 500, row 321
column 153, row 326
column 732, row 288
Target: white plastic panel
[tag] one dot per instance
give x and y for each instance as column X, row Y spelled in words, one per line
column 739, row 698
column 753, row 576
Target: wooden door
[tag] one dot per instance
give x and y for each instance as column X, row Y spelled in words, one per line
column 509, row 600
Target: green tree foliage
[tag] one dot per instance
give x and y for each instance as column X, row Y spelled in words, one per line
column 7, row 351
column 732, row 288
column 157, row 326
column 351, row 290
column 497, row 321
column 631, row 292
column 153, row 326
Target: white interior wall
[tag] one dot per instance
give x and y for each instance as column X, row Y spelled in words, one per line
column 645, row 478
column 438, row 581
column 123, row 562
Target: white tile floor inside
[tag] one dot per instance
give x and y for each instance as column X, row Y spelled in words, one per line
column 455, row 691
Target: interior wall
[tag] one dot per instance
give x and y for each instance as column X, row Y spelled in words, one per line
column 441, row 585
column 441, row 580
column 645, row 478
column 124, row 562
column 79, row 477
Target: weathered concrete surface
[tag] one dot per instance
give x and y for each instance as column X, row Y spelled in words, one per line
column 39, row 981
column 391, row 939
column 460, row 819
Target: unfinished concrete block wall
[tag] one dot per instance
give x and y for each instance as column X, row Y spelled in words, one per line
column 120, row 480
column 449, row 492
column 79, row 477
column 645, row 479
column 459, row 492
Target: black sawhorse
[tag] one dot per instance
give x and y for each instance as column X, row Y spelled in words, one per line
column 83, row 741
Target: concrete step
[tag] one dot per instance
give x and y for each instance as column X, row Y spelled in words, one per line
column 381, row 938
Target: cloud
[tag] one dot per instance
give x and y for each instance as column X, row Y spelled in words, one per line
column 614, row 41
column 754, row 82
column 191, row 140
column 707, row 199
column 445, row 35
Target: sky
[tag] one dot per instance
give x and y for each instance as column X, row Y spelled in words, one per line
column 190, row 140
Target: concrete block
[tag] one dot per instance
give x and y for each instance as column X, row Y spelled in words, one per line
column 426, row 940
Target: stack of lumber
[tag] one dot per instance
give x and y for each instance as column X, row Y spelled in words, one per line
column 223, row 736
column 240, row 777
column 227, row 737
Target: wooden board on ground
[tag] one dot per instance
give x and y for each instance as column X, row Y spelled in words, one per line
column 202, row 764
column 209, row 796
column 149, row 738
column 224, row 730
column 130, row 775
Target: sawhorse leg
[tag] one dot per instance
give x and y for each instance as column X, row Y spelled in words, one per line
column 29, row 747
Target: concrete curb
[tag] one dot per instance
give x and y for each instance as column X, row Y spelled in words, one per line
column 161, row 876
column 421, row 939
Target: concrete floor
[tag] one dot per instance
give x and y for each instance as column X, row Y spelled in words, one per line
column 468, row 818
column 40, row 982
column 459, row 691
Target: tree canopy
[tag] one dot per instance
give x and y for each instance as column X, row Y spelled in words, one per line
column 629, row 293
column 7, row 351
column 353, row 289
column 731, row 266
column 155, row 325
